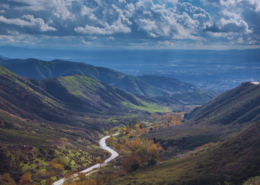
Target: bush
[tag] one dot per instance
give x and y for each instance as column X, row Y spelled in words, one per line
column 152, row 162
column 135, row 166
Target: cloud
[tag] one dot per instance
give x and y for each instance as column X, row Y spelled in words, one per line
column 229, row 26
column 236, row 19
column 28, row 20
column 131, row 22
column 107, row 30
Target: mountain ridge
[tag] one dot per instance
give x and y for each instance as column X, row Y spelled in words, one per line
column 168, row 84
column 38, row 69
column 54, row 98
column 239, row 105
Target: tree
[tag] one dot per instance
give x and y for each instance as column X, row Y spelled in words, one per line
column 135, row 166
column 122, row 131
column 155, row 125
column 118, row 147
column 152, row 162
column 26, row 178
column 11, row 182
column 137, row 126
column 82, row 176
column 135, row 145
column 69, row 175
column 101, row 161
column 111, row 131
column 6, row 177
column 49, row 181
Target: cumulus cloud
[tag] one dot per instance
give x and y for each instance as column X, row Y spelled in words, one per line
column 229, row 26
column 107, row 30
column 132, row 21
column 28, row 20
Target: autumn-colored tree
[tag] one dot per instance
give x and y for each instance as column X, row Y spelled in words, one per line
column 137, row 126
column 152, row 150
column 69, row 175
column 167, row 117
column 26, row 178
column 128, row 129
column 121, row 141
column 51, row 174
column 131, row 159
column 122, row 131
column 100, row 161
column 118, row 147
column 6, row 177
column 81, row 176
column 135, row 145
column 165, row 124
column 155, row 125
column 92, row 182
column 112, row 130
column 110, row 141
column 11, row 182
column 49, row 181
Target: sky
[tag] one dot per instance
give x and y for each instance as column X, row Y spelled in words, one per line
column 130, row 24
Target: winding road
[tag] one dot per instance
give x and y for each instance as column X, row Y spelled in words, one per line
column 103, row 145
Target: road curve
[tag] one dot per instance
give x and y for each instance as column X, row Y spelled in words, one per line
column 103, row 145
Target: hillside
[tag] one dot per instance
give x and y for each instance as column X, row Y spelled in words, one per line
column 188, row 98
column 37, row 69
column 233, row 161
column 170, row 85
column 53, row 98
column 57, row 119
column 136, row 86
column 239, row 105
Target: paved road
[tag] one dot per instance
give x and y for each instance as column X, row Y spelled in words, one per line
column 103, row 145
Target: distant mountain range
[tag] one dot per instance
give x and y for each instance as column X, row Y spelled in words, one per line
column 170, row 85
column 239, row 105
column 3, row 58
column 142, row 85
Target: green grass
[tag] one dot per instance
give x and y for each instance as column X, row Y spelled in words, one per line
column 149, row 107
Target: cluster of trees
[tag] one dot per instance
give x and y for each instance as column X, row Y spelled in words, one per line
column 168, row 120
column 82, row 179
column 136, row 151
column 54, row 169
column 26, row 179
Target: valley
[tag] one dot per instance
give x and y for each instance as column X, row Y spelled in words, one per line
column 165, row 131
column 129, row 92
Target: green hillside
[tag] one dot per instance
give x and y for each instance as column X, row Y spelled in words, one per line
column 170, row 85
column 58, row 119
column 136, row 86
column 188, row 98
column 37, row 69
column 57, row 98
column 239, row 105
